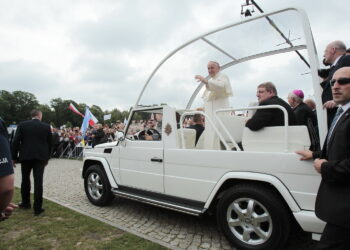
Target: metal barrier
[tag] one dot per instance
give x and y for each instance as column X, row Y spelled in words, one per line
column 72, row 153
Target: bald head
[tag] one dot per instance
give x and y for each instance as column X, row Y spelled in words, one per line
column 311, row 103
column 333, row 51
column 341, row 86
column 342, row 72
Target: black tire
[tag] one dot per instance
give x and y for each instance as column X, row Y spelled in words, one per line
column 270, row 233
column 97, row 186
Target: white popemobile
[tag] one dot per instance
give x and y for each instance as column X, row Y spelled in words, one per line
column 256, row 193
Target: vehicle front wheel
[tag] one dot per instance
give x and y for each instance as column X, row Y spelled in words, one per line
column 97, row 187
column 253, row 217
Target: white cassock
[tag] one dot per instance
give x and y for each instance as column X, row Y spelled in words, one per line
column 216, row 96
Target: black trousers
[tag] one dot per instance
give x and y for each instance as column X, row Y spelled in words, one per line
column 38, row 174
column 334, row 237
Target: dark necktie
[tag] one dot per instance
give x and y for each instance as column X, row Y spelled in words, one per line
column 334, row 122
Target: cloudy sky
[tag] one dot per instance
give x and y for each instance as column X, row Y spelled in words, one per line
column 101, row 52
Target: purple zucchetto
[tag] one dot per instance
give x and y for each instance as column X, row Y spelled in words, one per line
column 298, row 93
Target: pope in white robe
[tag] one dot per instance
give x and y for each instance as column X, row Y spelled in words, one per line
column 216, row 96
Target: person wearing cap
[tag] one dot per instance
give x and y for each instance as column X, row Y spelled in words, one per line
column 267, row 95
column 333, row 164
column 216, row 96
column 304, row 116
column 334, row 55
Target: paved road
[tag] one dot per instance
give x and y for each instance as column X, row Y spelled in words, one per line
column 64, row 185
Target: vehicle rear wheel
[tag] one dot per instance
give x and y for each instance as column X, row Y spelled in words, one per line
column 253, row 217
column 97, row 187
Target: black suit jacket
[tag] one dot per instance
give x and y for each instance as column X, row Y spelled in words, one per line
column 344, row 61
column 32, row 141
column 199, row 130
column 271, row 117
column 305, row 116
column 333, row 198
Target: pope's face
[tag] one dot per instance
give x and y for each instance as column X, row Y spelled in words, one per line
column 213, row 69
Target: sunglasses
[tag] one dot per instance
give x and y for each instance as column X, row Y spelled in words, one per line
column 341, row 81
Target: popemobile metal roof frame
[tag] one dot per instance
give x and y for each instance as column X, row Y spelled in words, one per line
column 309, row 46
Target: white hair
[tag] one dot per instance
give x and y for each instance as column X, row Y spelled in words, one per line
column 295, row 97
column 214, row 62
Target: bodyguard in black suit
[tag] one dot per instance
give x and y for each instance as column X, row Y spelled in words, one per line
column 267, row 95
column 335, row 56
column 333, row 163
column 32, row 148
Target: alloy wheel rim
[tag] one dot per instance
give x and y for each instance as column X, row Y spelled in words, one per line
column 95, row 186
column 249, row 221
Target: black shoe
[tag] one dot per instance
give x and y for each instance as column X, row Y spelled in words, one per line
column 24, row 205
column 39, row 211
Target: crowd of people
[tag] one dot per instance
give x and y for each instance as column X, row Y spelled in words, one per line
column 64, row 140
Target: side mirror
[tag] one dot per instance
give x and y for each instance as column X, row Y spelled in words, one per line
column 120, row 136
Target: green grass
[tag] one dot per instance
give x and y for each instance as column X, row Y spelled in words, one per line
column 61, row 228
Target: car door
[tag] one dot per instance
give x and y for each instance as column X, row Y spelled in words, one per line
column 141, row 156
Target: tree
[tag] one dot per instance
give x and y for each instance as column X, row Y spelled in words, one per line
column 5, row 106
column 16, row 106
column 48, row 114
column 115, row 115
column 125, row 115
column 63, row 114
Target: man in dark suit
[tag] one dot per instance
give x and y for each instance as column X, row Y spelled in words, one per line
column 267, row 95
column 98, row 135
column 32, row 148
column 333, row 163
column 334, row 55
column 198, row 126
column 304, row 116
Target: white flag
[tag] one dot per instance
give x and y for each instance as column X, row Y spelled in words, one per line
column 107, row 117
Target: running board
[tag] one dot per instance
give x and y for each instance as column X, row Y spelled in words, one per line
column 159, row 203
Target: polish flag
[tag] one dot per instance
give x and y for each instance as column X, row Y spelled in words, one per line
column 75, row 110
column 93, row 120
column 89, row 119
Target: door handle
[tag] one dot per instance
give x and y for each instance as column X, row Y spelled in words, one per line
column 156, row 159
